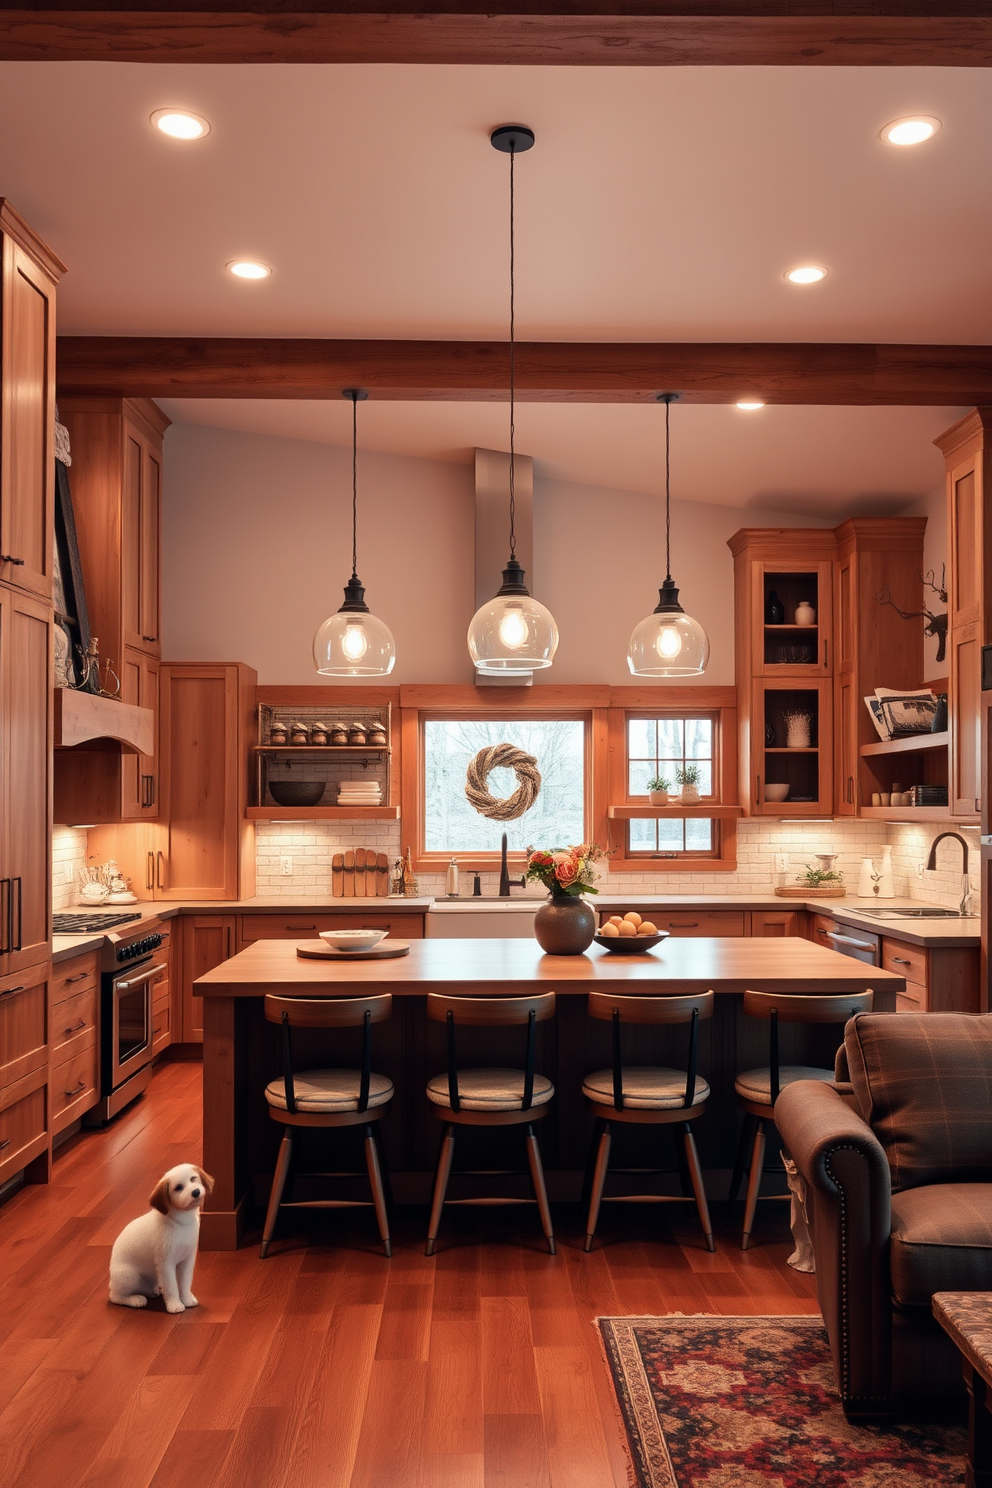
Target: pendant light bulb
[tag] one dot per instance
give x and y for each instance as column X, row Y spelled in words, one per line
column 353, row 642
column 669, row 643
column 512, row 632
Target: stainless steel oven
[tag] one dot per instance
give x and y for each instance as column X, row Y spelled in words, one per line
column 130, row 970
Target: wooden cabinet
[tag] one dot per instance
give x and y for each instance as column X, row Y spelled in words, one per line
column 25, row 1137
column 26, row 779
column 164, row 1021
column 778, row 923
column 207, row 940
column 75, row 1039
column 139, row 792
column 966, row 452
column 692, row 921
column 29, row 273
column 141, row 524
column 290, row 926
column 939, row 979
column 805, row 769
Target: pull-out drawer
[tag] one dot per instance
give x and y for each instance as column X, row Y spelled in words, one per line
column 304, row 926
column 23, row 1132
column 908, row 961
column 74, row 1087
column 23, row 1023
column 70, row 977
column 161, row 1025
column 698, row 922
column 74, row 1023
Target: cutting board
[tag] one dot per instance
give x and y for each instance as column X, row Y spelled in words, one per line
column 319, row 950
column 360, row 873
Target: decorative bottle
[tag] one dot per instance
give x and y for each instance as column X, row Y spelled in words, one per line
column 774, row 609
column 885, row 887
column 451, row 879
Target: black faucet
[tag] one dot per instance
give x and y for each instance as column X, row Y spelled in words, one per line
column 504, row 875
column 965, row 906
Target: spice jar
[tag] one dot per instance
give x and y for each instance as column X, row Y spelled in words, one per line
column 357, row 733
column 279, row 734
column 377, row 736
column 299, row 733
column 339, row 734
column 318, row 733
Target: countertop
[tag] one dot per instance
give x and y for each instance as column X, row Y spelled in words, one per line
column 936, row 934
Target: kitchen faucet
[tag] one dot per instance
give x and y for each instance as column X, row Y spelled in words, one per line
column 504, row 876
column 965, row 906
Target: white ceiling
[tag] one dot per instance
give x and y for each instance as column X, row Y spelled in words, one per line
column 658, row 204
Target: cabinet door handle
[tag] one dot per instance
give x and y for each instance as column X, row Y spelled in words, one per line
column 20, row 911
column 156, row 1031
column 757, row 790
column 150, row 639
column 75, row 1027
column 160, row 870
column 144, row 790
column 150, row 871
column 850, row 789
column 80, row 977
column 5, row 915
column 228, row 935
column 901, row 961
column 5, row 1143
column 860, row 945
column 686, row 925
column 151, row 790
column 11, row 990
column 7, row 558
column 294, row 928
column 75, row 1089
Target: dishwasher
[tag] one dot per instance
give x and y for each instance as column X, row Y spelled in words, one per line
column 861, row 945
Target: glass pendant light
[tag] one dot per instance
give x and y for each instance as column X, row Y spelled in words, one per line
column 353, row 643
column 669, row 643
column 513, row 632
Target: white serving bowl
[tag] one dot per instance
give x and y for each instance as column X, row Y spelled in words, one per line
column 776, row 792
column 353, row 940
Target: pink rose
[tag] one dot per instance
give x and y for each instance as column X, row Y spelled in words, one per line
column 565, row 871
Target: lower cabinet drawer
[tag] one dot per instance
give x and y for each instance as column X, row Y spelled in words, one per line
column 23, row 1128
column 913, row 1000
column 73, row 1024
column 909, row 961
column 161, row 1024
column 23, row 1023
column 70, row 977
column 74, row 1087
column 702, row 922
column 299, row 927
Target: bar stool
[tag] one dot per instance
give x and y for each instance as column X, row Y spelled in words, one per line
column 647, row 1095
column 490, row 1097
column 758, row 1089
column 327, row 1098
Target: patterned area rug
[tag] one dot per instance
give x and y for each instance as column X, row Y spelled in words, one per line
column 750, row 1402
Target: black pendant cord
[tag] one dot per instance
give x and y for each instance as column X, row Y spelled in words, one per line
column 668, row 488
column 354, row 484
column 513, row 494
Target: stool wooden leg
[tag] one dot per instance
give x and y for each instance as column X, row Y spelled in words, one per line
column 753, row 1183
column 598, row 1183
column 696, row 1174
column 375, row 1180
column 743, row 1147
column 540, row 1191
column 597, row 1132
column 681, row 1163
column 444, row 1160
column 278, row 1184
column 383, row 1166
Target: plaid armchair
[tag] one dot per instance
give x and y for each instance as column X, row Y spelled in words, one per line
column 897, row 1159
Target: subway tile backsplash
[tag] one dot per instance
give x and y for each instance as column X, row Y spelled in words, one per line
column 68, row 856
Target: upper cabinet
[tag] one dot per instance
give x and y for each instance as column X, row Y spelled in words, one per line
column 141, row 526
column 966, row 450
column 30, row 273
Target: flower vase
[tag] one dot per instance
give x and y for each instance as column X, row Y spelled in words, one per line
column 689, row 795
column 658, row 797
column 565, row 925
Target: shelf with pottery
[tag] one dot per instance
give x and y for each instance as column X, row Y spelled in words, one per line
column 627, row 812
column 913, row 744
column 298, row 728
column 322, row 813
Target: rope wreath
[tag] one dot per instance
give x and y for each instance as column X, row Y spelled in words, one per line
column 524, row 767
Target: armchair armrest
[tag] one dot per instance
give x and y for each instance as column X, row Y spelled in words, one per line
column 847, row 1172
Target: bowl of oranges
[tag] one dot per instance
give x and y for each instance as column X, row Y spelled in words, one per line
column 629, row 935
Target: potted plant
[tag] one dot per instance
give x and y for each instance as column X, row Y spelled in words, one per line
column 825, row 883
column 658, row 789
column 687, row 779
column 565, row 925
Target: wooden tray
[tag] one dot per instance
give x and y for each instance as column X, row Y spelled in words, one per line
column 319, row 950
column 822, row 891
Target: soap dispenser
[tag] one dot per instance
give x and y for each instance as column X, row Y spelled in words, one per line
column 451, row 879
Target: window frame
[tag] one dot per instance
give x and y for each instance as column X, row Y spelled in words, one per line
column 720, row 705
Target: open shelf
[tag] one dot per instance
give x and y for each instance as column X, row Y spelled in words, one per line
column 321, row 749
column 912, row 744
column 784, row 749
column 907, row 813
column 646, row 812
column 322, row 813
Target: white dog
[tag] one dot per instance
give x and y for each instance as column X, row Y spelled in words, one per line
column 154, row 1256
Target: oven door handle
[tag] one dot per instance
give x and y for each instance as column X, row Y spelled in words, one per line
column 145, row 976
column 860, row 945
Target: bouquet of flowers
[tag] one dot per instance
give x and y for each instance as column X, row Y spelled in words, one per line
column 565, row 871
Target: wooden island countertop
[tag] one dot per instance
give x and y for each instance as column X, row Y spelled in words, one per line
column 239, row 1055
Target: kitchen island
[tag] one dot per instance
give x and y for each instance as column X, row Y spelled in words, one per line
column 241, row 1051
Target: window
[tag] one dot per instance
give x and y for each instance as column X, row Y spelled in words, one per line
column 557, row 817
column 659, row 747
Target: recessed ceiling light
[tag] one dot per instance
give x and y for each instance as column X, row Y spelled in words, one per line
column 180, row 124
column 915, row 130
column 749, row 403
column 246, row 268
column 806, row 274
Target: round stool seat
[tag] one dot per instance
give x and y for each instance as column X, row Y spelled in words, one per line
column 329, row 1090
column 645, row 1088
column 756, row 1085
column 490, row 1090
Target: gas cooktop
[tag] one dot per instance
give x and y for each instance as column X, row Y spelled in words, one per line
column 88, row 920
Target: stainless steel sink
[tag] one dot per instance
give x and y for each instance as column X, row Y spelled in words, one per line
column 914, row 914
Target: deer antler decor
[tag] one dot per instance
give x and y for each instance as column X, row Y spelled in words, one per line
column 936, row 624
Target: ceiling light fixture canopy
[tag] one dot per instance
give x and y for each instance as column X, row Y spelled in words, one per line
column 247, row 268
column 513, row 632
column 669, row 643
column 806, row 274
column 353, row 642
column 914, row 130
column 180, row 124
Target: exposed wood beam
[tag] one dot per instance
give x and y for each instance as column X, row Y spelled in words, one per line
column 681, row 33
column 547, row 372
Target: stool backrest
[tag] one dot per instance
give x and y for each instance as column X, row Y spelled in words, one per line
column 794, row 1007
column 491, row 1012
column 327, row 1012
column 689, row 1008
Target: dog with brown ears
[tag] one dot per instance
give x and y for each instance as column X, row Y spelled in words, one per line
column 154, row 1256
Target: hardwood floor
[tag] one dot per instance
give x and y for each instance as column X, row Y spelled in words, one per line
column 327, row 1366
